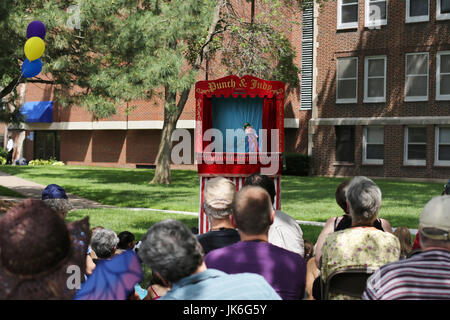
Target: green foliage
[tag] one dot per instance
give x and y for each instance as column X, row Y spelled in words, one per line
column 2, row 160
column 123, row 51
column 3, row 152
column 41, row 162
column 296, row 164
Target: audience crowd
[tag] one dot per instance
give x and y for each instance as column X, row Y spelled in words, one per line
column 251, row 252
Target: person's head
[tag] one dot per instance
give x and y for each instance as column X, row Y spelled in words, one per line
column 218, row 195
column 247, row 125
column 126, row 240
column 434, row 223
column 446, row 188
column 104, row 243
column 36, row 250
column 252, row 211
column 93, row 229
column 171, row 250
column 341, row 200
column 262, row 181
column 309, row 250
column 56, row 198
column 404, row 237
column 364, row 200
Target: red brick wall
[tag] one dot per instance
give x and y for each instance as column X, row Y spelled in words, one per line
column 126, row 148
column 393, row 40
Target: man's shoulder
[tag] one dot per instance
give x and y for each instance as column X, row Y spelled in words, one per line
column 282, row 219
column 223, row 252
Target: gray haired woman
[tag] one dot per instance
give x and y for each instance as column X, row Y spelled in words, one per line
column 362, row 245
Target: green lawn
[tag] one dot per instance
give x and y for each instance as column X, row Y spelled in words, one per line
column 304, row 198
column 5, row 192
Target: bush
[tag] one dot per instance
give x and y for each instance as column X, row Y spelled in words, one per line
column 2, row 160
column 296, row 164
column 41, row 162
column 3, row 153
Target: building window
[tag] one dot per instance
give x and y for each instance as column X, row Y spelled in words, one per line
column 373, row 145
column 347, row 14
column 442, row 146
column 345, row 144
column 376, row 13
column 415, row 152
column 375, row 79
column 416, row 80
column 442, row 9
column 417, row 10
column 443, row 75
column 347, row 80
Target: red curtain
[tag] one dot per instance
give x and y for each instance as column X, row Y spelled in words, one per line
column 207, row 118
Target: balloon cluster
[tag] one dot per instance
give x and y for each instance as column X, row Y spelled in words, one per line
column 34, row 49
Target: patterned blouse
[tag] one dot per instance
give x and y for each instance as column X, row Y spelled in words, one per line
column 358, row 248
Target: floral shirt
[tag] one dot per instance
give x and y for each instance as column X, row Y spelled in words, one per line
column 358, row 248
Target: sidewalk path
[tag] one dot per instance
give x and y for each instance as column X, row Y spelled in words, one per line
column 33, row 190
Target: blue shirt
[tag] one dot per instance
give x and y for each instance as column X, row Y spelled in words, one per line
column 216, row 285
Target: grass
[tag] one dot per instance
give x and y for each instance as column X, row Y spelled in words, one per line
column 5, row 192
column 304, row 198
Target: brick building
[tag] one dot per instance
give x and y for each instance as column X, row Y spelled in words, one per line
column 132, row 140
column 382, row 91
column 374, row 98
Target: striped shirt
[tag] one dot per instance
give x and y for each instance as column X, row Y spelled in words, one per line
column 423, row 276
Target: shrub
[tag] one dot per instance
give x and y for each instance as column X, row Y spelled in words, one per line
column 296, row 164
column 3, row 153
column 41, row 162
column 2, row 160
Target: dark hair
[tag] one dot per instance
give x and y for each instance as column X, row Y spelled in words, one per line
column 262, row 181
column 125, row 238
column 252, row 210
column 341, row 199
column 309, row 250
column 404, row 237
column 170, row 249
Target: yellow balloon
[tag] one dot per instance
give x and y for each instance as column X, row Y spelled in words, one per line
column 34, row 48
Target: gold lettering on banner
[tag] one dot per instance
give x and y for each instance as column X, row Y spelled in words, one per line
column 261, row 85
column 212, row 86
column 243, row 83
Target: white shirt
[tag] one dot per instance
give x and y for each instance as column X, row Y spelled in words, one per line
column 286, row 233
column 10, row 145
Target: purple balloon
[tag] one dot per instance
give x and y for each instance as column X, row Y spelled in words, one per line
column 36, row 29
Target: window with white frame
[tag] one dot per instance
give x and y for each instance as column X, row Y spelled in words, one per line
column 373, row 145
column 417, row 10
column 376, row 13
column 442, row 146
column 416, row 77
column 443, row 75
column 375, row 79
column 442, row 9
column 347, row 80
column 347, row 14
column 415, row 151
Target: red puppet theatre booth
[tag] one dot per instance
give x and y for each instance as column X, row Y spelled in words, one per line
column 239, row 131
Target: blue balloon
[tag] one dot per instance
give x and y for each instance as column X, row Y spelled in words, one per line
column 31, row 69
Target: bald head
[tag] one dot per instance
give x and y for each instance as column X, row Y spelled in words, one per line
column 252, row 210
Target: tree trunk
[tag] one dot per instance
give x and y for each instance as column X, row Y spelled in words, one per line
column 163, row 159
column 173, row 110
